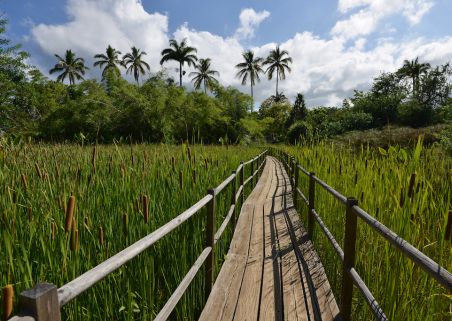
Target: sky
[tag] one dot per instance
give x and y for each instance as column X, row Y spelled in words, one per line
column 337, row 46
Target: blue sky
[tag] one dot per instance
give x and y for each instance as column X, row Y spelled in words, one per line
column 337, row 45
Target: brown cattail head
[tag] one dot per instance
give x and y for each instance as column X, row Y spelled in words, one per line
column 448, row 232
column 24, row 181
column 53, row 230
column 125, row 224
column 173, row 162
column 38, row 170
column 7, row 301
column 30, row 214
column 189, row 153
column 181, row 179
column 93, row 159
column 69, row 213
column 194, row 176
column 411, row 186
column 101, row 236
column 145, row 209
column 14, row 197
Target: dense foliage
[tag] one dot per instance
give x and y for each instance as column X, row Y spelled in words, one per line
column 109, row 184
column 156, row 110
column 409, row 191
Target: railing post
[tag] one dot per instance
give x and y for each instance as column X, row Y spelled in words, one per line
column 252, row 173
column 349, row 259
column 210, row 241
column 293, row 170
column 41, row 303
column 242, row 179
column 234, row 191
column 311, row 205
column 295, row 191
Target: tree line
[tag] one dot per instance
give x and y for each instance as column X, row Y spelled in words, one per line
column 156, row 109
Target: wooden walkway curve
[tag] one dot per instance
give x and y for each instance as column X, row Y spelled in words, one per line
column 271, row 271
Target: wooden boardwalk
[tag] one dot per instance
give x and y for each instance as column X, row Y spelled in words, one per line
column 271, row 271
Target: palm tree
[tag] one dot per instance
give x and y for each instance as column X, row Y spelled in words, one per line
column 181, row 53
column 71, row 67
column 204, row 75
column 414, row 70
column 250, row 68
column 134, row 63
column 279, row 63
column 110, row 60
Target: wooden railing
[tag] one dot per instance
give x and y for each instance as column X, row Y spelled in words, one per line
column 347, row 255
column 44, row 301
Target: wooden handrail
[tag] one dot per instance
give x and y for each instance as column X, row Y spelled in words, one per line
column 439, row 273
column 47, row 295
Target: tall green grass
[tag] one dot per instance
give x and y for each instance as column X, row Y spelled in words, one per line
column 417, row 211
column 111, row 185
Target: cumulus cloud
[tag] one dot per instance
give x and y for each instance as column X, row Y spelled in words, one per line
column 372, row 12
column 325, row 69
column 96, row 24
column 249, row 21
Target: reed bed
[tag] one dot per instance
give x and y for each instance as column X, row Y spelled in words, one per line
column 409, row 191
column 66, row 208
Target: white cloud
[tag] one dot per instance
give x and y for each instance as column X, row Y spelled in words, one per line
column 249, row 21
column 326, row 70
column 96, row 24
column 372, row 12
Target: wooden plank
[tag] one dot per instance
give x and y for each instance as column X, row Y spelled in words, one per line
column 271, row 267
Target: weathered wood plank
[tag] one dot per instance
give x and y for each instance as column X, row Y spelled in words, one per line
column 271, row 271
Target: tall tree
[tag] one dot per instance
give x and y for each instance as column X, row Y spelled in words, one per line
column 70, row 66
column 278, row 61
column 204, row 75
column 110, row 60
column 180, row 52
column 250, row 68
column 413, row 69
column 299, row 110
column 134, row 63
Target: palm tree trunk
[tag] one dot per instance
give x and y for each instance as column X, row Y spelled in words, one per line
column 252, row 98
column 205, row 87
column 277, row 78
column 180, row 74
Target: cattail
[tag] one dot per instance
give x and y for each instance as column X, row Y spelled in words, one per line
column 7, row 301
column 38, row 170
column 340, row 169
column 145, row 209
column 173, row 162
column 356, row 178
column 93, row 159
column 194, row 176
column 14, row 196
column 411, row 186
column 362, row 196
column 69, row 213
column 189, row 153
column 110, row 164
column 365, row 166
column 24, row 181
column 30, row 214
column 125, row 224
column 101, row 236
column 206, row 162
column 181, row 179
column 448, row 232
column 79, row 174
column 53, row 225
